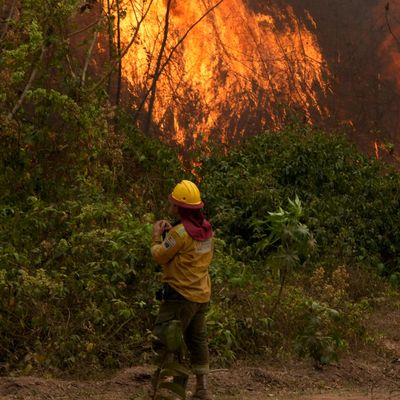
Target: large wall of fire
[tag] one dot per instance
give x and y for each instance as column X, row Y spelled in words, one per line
column 253, row 65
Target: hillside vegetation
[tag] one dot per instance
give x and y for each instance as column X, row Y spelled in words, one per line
column 306, row 242
column 307, row 233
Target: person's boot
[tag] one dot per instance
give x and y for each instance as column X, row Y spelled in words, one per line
column 201, row 392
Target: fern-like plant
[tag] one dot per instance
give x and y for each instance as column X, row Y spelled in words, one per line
column 284, row 240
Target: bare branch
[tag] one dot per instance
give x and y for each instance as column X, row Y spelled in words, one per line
column 123, row 53
column 173, row 49
column 119, row 76
column 28, row 84
column 84, row 28
column 180, row 41
column 396, row 39
column 110, row 41
column 153, row 87
column 70, row 66
column 8, row 19
column 88, row 55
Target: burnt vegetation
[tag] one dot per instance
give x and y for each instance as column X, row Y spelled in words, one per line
column 307, row 232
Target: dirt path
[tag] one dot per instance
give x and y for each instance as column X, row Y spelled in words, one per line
column 349, row 380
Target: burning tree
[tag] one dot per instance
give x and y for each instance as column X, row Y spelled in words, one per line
column 221, row 69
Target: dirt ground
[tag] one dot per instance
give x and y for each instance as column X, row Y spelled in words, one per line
column 368, row 374
column 350, row 379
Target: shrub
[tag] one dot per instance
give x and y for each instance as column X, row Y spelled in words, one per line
column 351, row 203
column 74, row 277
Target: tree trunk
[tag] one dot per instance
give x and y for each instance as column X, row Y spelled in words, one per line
column 168, row 59
column 119, row 72
column 156, row 74
column 110, row 43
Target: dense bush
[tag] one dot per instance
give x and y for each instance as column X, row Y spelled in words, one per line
column 294, row 214
column 351, row 203
column 278, row 307
column 79, row 185
column 75, row 277
column 346, row 212
column 302, row 220
column 299, row 216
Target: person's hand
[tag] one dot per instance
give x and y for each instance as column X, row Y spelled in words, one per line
column 160, row 226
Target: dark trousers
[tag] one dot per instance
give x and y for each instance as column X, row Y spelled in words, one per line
column 193, row 320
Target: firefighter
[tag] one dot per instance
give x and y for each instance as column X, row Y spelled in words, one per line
column 185, row 255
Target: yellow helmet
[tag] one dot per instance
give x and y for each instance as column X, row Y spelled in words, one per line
column 186, row 195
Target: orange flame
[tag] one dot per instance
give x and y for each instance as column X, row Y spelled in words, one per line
column 237, row 71
column 192, row 166
column 376, row 146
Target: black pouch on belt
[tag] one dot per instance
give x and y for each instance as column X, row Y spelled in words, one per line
column 168, row 293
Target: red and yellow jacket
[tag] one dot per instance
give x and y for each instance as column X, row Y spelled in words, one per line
column 185, row 263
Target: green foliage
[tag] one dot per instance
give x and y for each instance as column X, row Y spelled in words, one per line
column 149, row 168
column 336, row 224
column 350, row 203
column 283, row 231
column 291, row 239
column 245, row 320
column 72, row 287
column 80, row 185
column 77, row 184
column 320, row 338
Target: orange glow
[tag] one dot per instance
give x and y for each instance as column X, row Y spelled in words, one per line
column 385, row 151
column 193, row 166
column 376, row 146
column 237, row 68
column 389, row 50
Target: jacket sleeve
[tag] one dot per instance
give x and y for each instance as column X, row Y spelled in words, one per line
column 163, row 252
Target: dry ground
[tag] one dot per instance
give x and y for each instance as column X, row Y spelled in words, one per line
column 350, row 379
